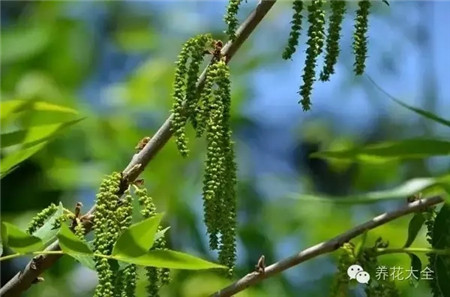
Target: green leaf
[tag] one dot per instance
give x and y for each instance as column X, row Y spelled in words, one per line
column 408, row 188
column 360, row 245
column 31, row 136
column 416, row 267
column 167, row 259
column 32, row 107
column 33, row 140
column 442, row 274
column 161, row 233
column 403, row 149
column 21, row 43
column 71, row 244
column 138, row 238
column 441, row 229
column 417, row 110
column 9, row 162
column 414, row 227
column 75, row 247
column 47, row 233
column 19, row 241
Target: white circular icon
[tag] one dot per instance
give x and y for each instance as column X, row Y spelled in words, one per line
column 363, row 277
column 353, row 270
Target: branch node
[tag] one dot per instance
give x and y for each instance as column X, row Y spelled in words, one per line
column 260, row 267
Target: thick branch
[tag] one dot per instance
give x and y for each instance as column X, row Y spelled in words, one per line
column 24, row 279
column 324, row 247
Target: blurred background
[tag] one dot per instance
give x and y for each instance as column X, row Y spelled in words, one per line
column 113, row 62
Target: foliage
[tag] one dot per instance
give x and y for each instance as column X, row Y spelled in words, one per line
column 127, row 238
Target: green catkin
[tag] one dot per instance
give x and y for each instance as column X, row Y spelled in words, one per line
column 106, row 232
column 79, row 229
column 296, row 27
column 231, row 19
column 185, row 90
column 369, row 261
column 214, row 170
column 333, row 36
column 339, row 287
column 316, row 19
column 203, row 108
column 197, row 53
column 219, row 197
column 227, row 254
column 40, row 218
column 156, row 277
column 359, row 36
column 128, row 275
column 126, row 284
column 179, row 91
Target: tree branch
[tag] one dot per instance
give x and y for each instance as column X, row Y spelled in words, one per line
column 24, row 279
column 324, row 247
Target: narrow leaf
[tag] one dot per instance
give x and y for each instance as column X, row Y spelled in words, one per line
column 35, row 139
column 19, row 241
column 7, row 108
column 138, row 238
column 12, row 160
column 403, row 149
column 408, row 188
column 168, row 259
column 414, row 227
column 417, row 110
column 47, row 233
column 161, row 233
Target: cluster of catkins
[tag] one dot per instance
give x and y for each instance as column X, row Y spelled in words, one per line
column 317, row 40
column 113, row 216
column 366, row 258
column 207, row 107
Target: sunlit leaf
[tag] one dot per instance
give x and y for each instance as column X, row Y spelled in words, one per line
column 19, row 241
column 138, row 238
column 414, row 227
column 403, row 149
column 33, row 140
column 17, row 157
column 7, row 108
column 167, row 259
column 47, row 233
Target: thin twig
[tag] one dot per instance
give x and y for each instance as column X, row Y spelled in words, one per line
column 324, row 247
column 24, row 279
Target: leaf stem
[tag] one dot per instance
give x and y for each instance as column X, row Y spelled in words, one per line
column 12, row 256
column 384, row 251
